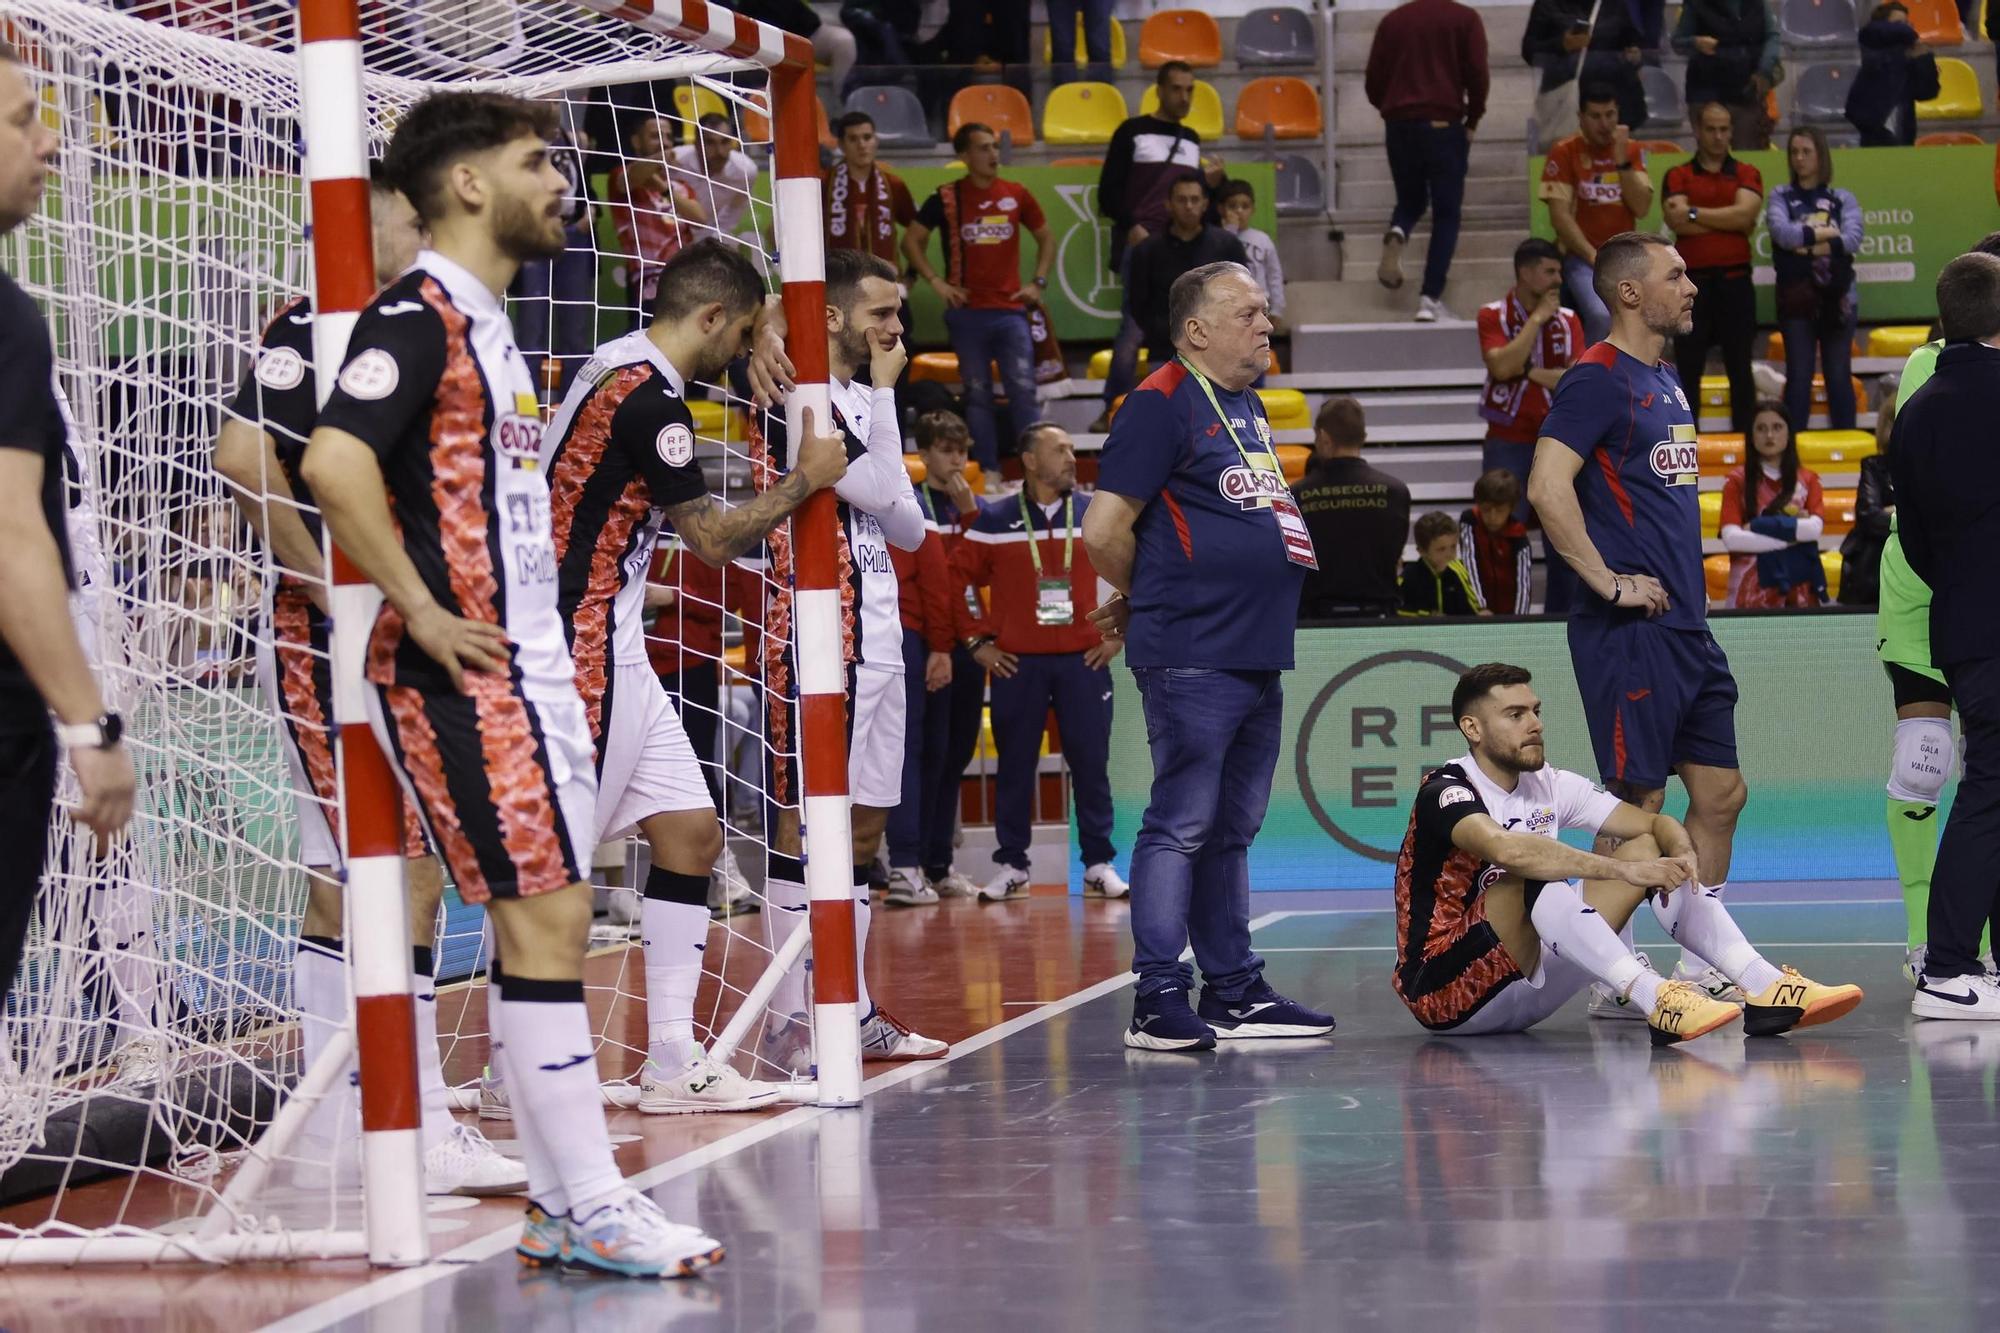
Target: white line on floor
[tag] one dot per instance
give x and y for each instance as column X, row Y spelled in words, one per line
column 380, row 1290
column 1761, row 946
column 1735, row 905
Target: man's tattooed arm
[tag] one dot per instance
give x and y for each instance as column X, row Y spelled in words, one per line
column 719, row 535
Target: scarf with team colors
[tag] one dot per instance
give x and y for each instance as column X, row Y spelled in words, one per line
column 1501, row 403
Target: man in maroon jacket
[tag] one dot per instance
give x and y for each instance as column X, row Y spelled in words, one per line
column 1037, row 640
column 1427, row 75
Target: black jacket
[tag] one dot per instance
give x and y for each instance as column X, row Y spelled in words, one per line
column 1157, row 261
column 1604, row 61
column 1746, row 35
column 1947, row 478
column 1359, row 518
column 1885, row 88
column 1861, row 548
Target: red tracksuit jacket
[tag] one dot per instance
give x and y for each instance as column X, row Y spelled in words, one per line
column 994, row 554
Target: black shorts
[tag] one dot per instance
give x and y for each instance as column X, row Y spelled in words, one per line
column 1913, row 687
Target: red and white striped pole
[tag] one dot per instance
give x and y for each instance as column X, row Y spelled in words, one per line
column 333, row 124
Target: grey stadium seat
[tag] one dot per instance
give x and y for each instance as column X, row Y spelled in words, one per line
column 1665, row 104
column 1300, row 191
column 1279, row 35
column 1818, row 23
column 899, row 116
column 1820, row 95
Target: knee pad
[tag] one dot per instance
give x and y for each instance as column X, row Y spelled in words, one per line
column 1923, row 759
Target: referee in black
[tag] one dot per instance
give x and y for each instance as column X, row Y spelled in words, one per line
column 1947, row 476
column 42, row 666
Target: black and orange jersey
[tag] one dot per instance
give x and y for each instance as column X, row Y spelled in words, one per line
column 435, row 386
column 619, row 452
column 1449, row 961
column 279, row 396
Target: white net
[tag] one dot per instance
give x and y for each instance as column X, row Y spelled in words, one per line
column 153, row 1031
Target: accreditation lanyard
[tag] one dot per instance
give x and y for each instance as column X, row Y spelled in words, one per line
column 1272, row 493
column 1053, row 605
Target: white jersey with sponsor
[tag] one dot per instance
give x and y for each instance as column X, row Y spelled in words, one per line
column 1543, row 803
column 878, row 616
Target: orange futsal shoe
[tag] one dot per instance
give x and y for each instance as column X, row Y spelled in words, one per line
column 1686, row 1011
column 1794, row 1001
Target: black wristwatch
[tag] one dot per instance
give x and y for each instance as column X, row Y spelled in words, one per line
column 99, row 735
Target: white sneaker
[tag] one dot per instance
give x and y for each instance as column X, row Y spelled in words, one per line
column 883, row 1038
column 493, row 1104
column 465, row 1163
column 954, row 885
column 1913, row 964
column 631, row 1237
column 729, row 893
column 1103, row 879
column 787, row 1045
column 140, row 1062
column 1430, row 310
column 701, row 1085
column 1976, row 998
column 1608, row 1003
column 1707, row 978
column 1004, row 885
column 908, row 889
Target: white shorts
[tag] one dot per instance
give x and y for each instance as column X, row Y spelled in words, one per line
column 649, row 766
column 875, row 741
column 1522, row 1004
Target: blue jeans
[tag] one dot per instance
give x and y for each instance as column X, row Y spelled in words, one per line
column 939, row 736
column 981, row 337
column 1214, row 736
column 1081, row 697
column 1835, row 349
column 1096, row 40
column 565, row 287
column 1428, row 163
column 1577, row 277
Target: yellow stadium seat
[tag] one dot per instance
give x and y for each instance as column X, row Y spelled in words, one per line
column 714, row 421
column 1715, row 573
column 1897, row 340
column 1204, row 117
column 1829, row 561
column 1294, row 459
column 1711, row 513
column 690, row 105
column 1187, row 35
column 1720, row 453
column 1714, row 394
column 1839, row 511
column 1286, row 408
column 1100, row 363
column 1084, row 113
column 1958, row 93
column 1820, row 448
column 1118, row 48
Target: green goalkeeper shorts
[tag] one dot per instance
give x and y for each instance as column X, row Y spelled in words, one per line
column 1903, row 616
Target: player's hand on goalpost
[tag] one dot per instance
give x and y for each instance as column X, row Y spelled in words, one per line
column 458, row 644
column 770, row 372
column 822, row 458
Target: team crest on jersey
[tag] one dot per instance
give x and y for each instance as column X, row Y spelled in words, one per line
column 518, row 437
column 1008, row 204
column 370, row 376
column 675, row 444
column 1542, row 821
column 1680, row 396
column 1454, row 796
column 280, row 368
column 1263, row 430
column 1677, row 461
column 1251, row 487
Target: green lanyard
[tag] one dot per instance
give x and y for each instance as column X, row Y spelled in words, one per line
column 1035, row 542
column 1209, row 390
column 924, row 494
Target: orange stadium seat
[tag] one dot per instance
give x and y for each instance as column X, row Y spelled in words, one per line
column 1204, row 117
column 1839, row 511
column 1189, row 35
column 995, row 105
column 1294, row 458
column 1937, row 22
column 1949, row 139
column 1094, row 163
column 1287, row 107
column 1083, row 113
column 1719, row 453
column 823, row 125
column 1665, row 146
column 1715, row 573
column 937, row 367
column 1819, row 392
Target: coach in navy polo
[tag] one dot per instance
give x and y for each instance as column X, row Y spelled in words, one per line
column 1194, row 528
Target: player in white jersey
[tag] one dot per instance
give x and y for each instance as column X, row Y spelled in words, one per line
column 427, row 464
column 877, row 509
column 1498, row 924
column 620, row 458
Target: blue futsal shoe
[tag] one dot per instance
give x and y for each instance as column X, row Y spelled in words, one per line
column 1163, row 1021
column 1261, row 1012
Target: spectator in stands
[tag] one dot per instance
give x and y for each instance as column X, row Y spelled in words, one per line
column 1527, row 338
column 1567, row 53
column 1596, row 186
column 1874, row 513
column 1713, row 201
column 830, row 41
column 1732, row 53
column 1236, row 200
column 561, row 292
column 1493, row 545
column 1358, row 516
column 865, row 201
column 1187, row 243
column 1774, row 553
column 648, row 210
column 979, row 219
column 1897, row 71
column 1145, row 157
column 1096, row 39
column 885, row 37
column 719, row 174
column 1816, row 231
column 1044, row 653
column 1437, row 583
column 1427, row 75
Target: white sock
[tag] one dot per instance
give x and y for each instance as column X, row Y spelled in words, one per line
column 319, row 984
column 1695, row 917
column 1573, row 929
column 674, row 935
column 124, row 925
column 544, row 1185
column 785, row 911
column 430, row 1059
column 490, row 946
column 552, row 1057
column 864, row 912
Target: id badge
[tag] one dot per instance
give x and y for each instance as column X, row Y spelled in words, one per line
column 1292, row 527
column 1052, row 602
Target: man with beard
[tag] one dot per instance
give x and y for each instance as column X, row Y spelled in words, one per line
column 426, row 462
column 1499, row 924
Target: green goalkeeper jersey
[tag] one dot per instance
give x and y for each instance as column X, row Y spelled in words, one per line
column 1903, row 615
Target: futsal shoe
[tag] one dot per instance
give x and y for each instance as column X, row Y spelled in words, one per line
column 1708, row 979
column 1009, row 883
column 1608, row 1003
column 542, row 1239
column 140, row 1062
column 951, row 884
column 1260, row 1012
column 1685, row 1012
column 465, row 1163
column 1794, row 1001
column 631, row 1237
column 908, row 889
column 493, row 1103
column 700, row 1085
column 883, row 1038
column 788, row 1046
column 1976, row 998
column 1164, row 1021
column 1104, row 880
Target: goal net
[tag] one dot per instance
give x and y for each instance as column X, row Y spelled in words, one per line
column 153, row 1038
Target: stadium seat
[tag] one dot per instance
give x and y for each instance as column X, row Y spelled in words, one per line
column 824, row 126
column 715, row 421
column 1094, row 163
column 1714, row 396
column 1083, row 113
column 935, row 367
column 1118, row 49
column 1667, row 147
column 1839, row 512
column 1937, row 22
column 899, row 116
column 1720, row 452
column 1294, row 459
column 1829, row 562
column 1774, row 349
column 1819, row 393
column 1301, row 192
column 1188, row 35
column 1666, row 104
column 1278, row 36
column 1715, row 574
column 1711, row 513
column 1822, row 449
column 1100, row 364
column 1286, row 408
column 996, row 105
column 1821, row 95
column 1897, row 340
column 1287, row 108
column 690, row 105
column 1204, row 117
column 1958, row 93
column 1818, row 23
column 1950, row 139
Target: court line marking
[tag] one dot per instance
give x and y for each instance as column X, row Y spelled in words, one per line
column 1733, row 903
column 1668, row 944
column 379, row 1290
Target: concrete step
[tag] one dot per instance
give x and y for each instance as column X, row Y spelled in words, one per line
column 1378, row 344
column 1364, row 248
column 1497, row 192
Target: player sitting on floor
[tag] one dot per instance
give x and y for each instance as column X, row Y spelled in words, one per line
column 1498, row 924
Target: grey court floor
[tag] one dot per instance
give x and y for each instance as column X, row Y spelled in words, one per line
column 1571, row 1179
